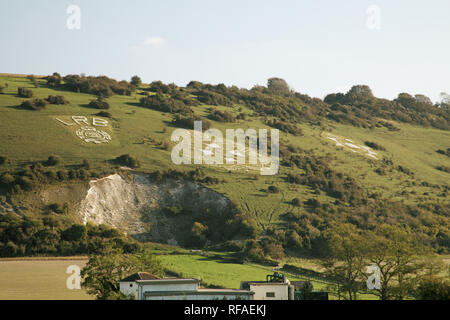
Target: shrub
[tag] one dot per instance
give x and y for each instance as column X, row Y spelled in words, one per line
column 101, row 86
column 128, row 161
column 285, row 126
column 25, row 183
column 296, row 202
column 36, row 104
column 62, row 175
column 57, row 100
column 7, row 179
column 160, row 102
column 432, row 288
column 56, row 207
column 76, row 232
column 24, row 92
column 374, row 145
column 2, row 160
column 443, row 168
column 273, row 189
column 98, row 104
column 444, row 152
column 222, row 116
column 86, row 164
column 188, row 122
column 104, row 114
column 52, row 161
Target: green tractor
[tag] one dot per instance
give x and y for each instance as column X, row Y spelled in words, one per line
column 276, row 277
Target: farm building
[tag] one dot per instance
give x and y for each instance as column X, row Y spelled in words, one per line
column 278, row 287
column 145, row 286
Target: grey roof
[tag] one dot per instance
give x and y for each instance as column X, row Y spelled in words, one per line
column 139, row 276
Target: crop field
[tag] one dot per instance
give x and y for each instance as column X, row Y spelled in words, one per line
column 38, row 279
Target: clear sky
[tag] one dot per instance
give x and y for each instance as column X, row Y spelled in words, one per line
column 319, row 46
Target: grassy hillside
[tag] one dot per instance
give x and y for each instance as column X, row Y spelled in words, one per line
column 407, row 164
column 347, row 160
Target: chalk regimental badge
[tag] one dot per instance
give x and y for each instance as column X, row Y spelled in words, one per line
column 90, row 134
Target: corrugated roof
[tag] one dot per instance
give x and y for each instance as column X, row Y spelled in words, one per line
column 140, row 276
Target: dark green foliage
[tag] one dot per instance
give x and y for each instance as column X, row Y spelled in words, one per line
column 22, row 236
column 296, row 202
column 212, row 98
column 278, row 86
column 285, row 126
column 159, row 87
column 2, row 160
column 443, row 168
column 163, row 103
column 221, row 116
column 25, row 183
column 99, row 103
column 54, row 80
column 52, row 161
column 136, row 81
column 374, row 145
column 128, row 161
column 102, row 273
column 24, row 92
column 444, row 152
column 57, row 208
column 188, row 122
column 87, row 164
column 57, row 100
column 273, row 189
column 320, row 176
column 100, row 86
column 36, row 104
column 76, row 232
column 432, row 288
column 104, row 114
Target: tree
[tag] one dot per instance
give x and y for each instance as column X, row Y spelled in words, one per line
column 278, row 86
column 76, row 232
column 395, row 253
column 102, row 273
column 135, row 80
column 52, row 161
column 344, row 260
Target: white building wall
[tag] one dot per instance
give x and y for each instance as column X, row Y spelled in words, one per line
column 170, row 287
column 129, row 288
column 280, row 291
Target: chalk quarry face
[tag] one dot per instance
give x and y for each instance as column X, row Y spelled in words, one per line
column 133, row 203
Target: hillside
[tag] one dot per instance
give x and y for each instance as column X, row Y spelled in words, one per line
column 351, row 158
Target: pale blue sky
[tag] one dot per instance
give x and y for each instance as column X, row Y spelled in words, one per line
column 317, row 46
